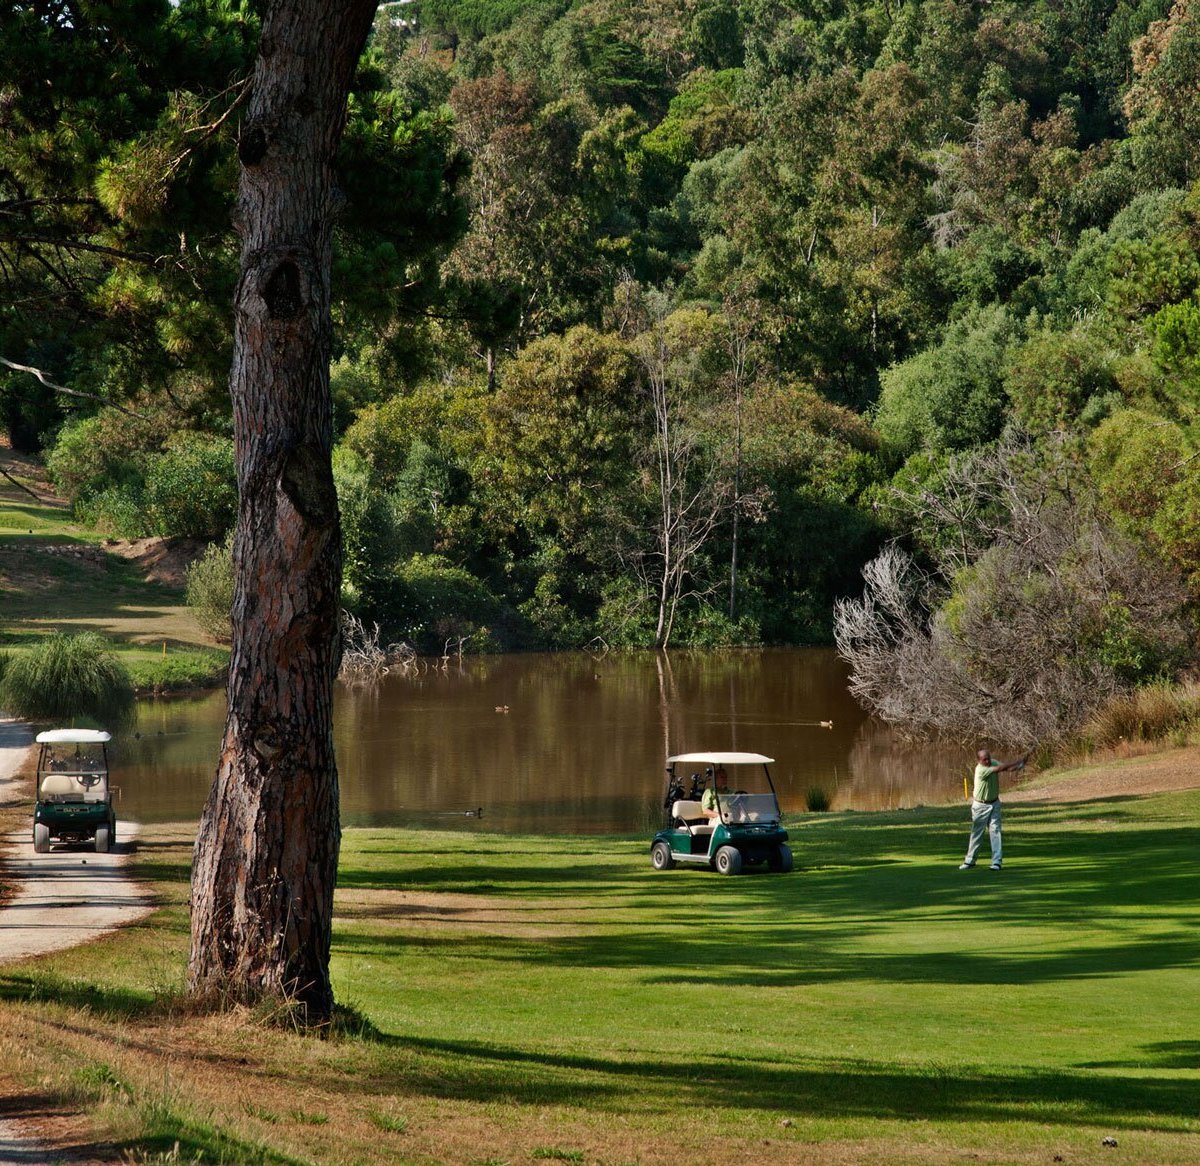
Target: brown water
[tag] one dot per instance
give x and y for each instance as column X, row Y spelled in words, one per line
column 563, row 743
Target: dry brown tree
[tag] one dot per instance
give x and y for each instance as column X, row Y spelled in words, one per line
column 1035, row 611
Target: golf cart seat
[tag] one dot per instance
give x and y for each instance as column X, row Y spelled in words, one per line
column 691, row 814
column 60, row 786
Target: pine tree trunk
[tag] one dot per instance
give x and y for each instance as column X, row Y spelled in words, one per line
column 266, row 855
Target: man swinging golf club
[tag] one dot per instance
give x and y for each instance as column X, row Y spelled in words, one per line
column 985, row 806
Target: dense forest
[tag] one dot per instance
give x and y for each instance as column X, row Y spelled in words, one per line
column 686, row 322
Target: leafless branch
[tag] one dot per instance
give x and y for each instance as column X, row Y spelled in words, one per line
column 41, row 376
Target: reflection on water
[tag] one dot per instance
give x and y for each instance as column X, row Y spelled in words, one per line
column 562, row 743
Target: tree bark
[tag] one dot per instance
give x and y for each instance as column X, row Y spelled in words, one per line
column 265, row 860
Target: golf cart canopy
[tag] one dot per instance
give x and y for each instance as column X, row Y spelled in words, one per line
column 73, row 737
column 721, row 759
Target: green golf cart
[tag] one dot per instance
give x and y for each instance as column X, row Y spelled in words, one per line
column 74, row 799
column 741, row 829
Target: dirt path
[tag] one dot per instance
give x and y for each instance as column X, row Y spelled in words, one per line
column 69, row 896
column 61, row 899
column 1133, row 776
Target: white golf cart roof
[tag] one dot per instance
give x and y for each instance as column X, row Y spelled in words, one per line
column 721, row 759
column 73, row 737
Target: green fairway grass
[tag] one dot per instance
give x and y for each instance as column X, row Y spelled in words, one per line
column 548, row 998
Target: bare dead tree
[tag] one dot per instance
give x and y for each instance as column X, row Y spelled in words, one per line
column 692, row 493
column 365, row 660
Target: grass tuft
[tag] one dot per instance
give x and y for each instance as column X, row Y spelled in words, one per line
column 388, row 1122
column 68, row 678
column 817, row 800
column 96, row 1082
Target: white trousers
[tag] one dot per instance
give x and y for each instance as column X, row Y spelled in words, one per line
column 985, row 816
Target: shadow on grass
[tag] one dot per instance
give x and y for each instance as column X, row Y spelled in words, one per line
column 1123, row 895
column 36, row 989
column 77, row 592
column 787, row 957
column 846, row 1089
column 43, row 510
column 474, row 875
column 152, row 869
column 180, row 1140
column 1174, row 1054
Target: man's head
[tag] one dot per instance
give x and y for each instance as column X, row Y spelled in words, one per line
column 720, row 777
column 985, row 758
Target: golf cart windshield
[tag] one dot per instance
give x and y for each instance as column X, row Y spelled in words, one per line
column 72, row 768
column 739, row 807
column 744, row 790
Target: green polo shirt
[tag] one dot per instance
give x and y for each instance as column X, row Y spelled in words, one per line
column 987, row 783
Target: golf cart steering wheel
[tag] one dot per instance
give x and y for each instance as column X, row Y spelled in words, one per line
column 87, row 780
column 740, row 791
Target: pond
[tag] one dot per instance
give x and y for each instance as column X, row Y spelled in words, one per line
column 562, row 743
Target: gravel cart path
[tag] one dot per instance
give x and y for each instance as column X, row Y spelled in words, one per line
column 61, row 899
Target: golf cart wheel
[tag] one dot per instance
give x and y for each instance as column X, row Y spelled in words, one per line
column 729, row 860
column 781, row 860
column 661, row 857
column 41, row 838
column 102, row 839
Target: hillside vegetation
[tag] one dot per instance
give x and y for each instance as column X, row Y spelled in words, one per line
column 658, row 321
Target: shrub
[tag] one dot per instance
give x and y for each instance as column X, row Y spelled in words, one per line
column 94, row 453
column 188, row 489
column 118, row 510
column 951, row 396
column 1042, row 613
column 551, row 612
column 702, row 624
column 430, row 601
column 191, row 487
column 1053, row 377
column 65, row 678
column 210, row 589
column 370, row 542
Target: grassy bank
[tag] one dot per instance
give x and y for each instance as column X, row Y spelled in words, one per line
column 56, row 575
column 555, row 999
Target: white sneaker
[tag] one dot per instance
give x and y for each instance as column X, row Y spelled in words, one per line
column 994, row 866
column 966, row 866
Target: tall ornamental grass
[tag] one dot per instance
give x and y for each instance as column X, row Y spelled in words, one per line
column 66, row 678
column 1155, row 712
